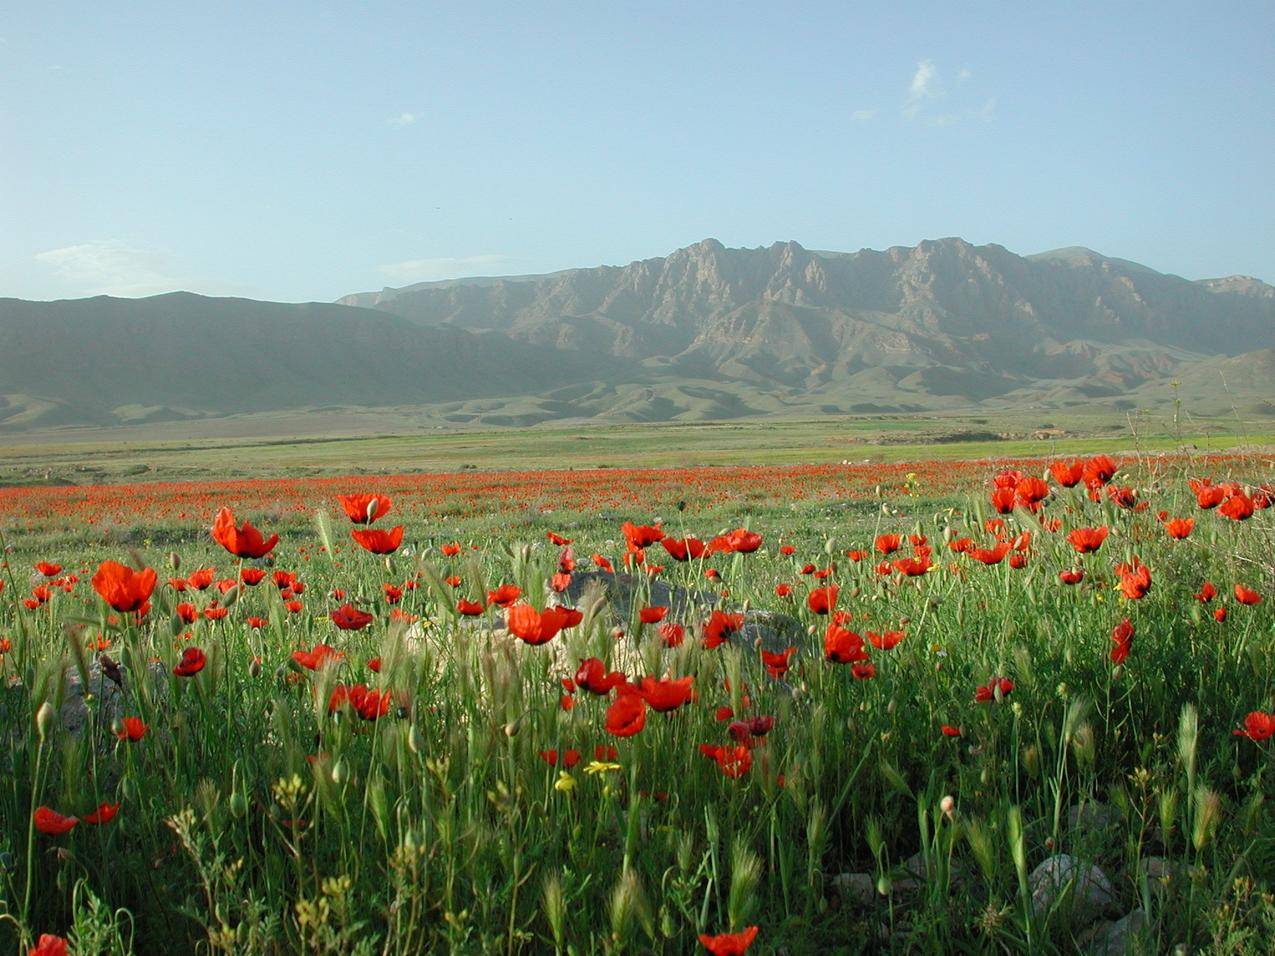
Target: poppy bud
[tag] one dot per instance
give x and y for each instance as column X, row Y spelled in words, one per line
column 340, row 772
column 128, row 788
column 238, row 804
column 415, row 743
column 174, row 560
column 512, row 728
column 884, row 885
column 948, row 806
column 254, row 667
column 44, row 720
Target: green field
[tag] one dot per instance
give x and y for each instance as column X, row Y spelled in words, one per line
column 155, row 454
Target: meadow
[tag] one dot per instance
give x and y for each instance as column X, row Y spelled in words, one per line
column 1015, row 705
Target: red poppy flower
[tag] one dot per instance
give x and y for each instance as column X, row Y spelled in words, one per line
column 48, row 945
column 672, row 634
column 132, row 729
column 368, row 704
column 720, row 626
column 1219, row 614
column 1135, row 579
column 888, row 543
column 603, row 563
column 734, row 762
column 822, row 600
column 777, row 664
column 950, row 731
column 1067, row 475
column 187, row 612
column 641, row 536
column 257, row 623
column 886, row 641
column 1122, row 638
column 843, row 646
column 349, row 618
column 470, row 608
column 558, row 539
column 539, row 627
column 364, row 509
column 243, row 541
column 505, row 595
column 626, row 716
column 1247, row 595
column 729, row 944
column 105, row 813
column 990, row 556
column 739, row 541
column 52, row 823
column 318, row 656
column 47, row 569
column 863, row 670
column 652, row 615
column 684, row 549
column 1071, row 576
column 1179, row 528
column 1088, row 540
column 202, row 579
column 214, row 612
column 1237, row 507
column 913, row 567
column 1258, row 726
column 666, row 695
column 1206, row 593
column 1003, row 500
column 191, row 663
column 123, row 588
column 994, row 688
column 593, row 676
column 378, row 540
column 1099, row 470
column 252, row 576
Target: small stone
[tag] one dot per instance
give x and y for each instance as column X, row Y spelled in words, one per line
column 1093, row 815
column 1085, row 887
column 858, row 888
column 1115, row 938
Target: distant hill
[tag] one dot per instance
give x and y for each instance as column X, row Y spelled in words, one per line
column 706, row 332
column 106, row 360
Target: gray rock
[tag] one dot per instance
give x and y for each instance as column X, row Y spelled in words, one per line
column 1160, row 868
column 109, row 700
column 1091, row 816
column 858, row 888
column 1081, row 889
column 1118, row 937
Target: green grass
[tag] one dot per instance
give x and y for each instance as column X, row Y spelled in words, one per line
column 439, row 827
column 882, row 438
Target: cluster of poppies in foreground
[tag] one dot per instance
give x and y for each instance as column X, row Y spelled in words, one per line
column 1020, row 519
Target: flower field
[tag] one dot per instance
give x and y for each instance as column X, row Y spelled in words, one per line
column 949, row 707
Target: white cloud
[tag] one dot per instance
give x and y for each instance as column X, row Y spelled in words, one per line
column 402, row 119
column 926, row 92
column 862, row 116
column 447, row 267
column 114, row 267
column 925, row 85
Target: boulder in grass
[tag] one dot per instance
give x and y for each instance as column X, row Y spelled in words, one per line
column 1079, row 890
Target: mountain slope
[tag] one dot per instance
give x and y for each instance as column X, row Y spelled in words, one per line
column 703, row 333
column 105, row 360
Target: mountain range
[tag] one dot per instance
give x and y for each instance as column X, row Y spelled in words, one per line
column 706, row 332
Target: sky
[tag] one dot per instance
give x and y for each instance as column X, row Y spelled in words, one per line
column 303, row 151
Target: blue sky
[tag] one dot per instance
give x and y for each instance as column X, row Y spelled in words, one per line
column 300, row 151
